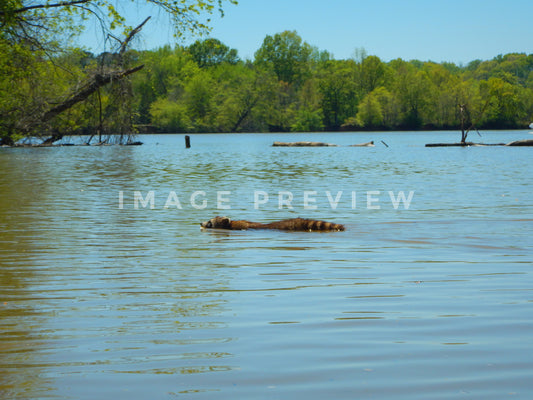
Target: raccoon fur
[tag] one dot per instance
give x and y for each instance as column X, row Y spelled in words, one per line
column 294, row 224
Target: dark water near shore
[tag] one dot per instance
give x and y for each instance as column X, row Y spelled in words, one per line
column 110, row 290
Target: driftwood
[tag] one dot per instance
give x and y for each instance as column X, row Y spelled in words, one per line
column 461, row 144
column 318, row 144
column 303, row 144
column 526, row 142
column 136, row 143
column 369, row 144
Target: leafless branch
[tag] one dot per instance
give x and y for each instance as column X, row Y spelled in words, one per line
column 126, row 41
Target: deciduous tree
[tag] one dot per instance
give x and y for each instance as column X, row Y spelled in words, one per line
column 35, row 32
column 287, row 55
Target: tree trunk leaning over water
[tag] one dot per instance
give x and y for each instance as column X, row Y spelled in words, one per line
column 102, row 77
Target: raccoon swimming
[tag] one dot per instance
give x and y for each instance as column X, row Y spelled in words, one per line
column 294, row 224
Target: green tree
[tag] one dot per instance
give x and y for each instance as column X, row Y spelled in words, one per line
column 505, row 107
column 443, row 98
column 164, row 74
column 377, row 110
column 411, row 86
column 287, row 55
column 170, row 116
column 241, row 98
column 307, row 113
column 371, row 74
column 338, row 92
column 369, row 115
column 210, row 52
column 198, row 98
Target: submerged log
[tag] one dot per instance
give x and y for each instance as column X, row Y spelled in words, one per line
column 303, row 144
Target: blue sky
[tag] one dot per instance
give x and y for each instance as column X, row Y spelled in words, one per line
column 439, row 30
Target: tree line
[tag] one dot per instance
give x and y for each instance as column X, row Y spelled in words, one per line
column 288, row 86
column 292, row 86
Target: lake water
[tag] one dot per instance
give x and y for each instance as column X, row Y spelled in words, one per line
column 110, row 290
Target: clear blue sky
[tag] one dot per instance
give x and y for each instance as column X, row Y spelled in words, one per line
column 439, row 30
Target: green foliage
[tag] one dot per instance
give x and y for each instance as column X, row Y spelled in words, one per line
column 288, row 57
column 506, row 107
column 205, row 87
column 370, row 114
column 210, row 52
column 35, row 20
column 307, row 114
column 171, row 116
column 39, row 70
column 371, row 74
column 338, row 90
column 282, row 91
column 307, row 120
column 240, row 95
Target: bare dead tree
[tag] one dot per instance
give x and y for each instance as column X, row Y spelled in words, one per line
column 466, row 113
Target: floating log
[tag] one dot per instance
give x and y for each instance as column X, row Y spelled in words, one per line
column 368, row 144
column 303, row 144
column 526, row 142
column 462, row 144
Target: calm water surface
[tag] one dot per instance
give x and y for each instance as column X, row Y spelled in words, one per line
column 110, row 290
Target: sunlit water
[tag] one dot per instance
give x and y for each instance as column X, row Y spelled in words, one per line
column 110, row 290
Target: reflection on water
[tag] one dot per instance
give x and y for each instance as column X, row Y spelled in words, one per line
column 429, row 302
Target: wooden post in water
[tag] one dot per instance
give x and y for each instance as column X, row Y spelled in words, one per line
column 187, row 142
column 463, row 133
